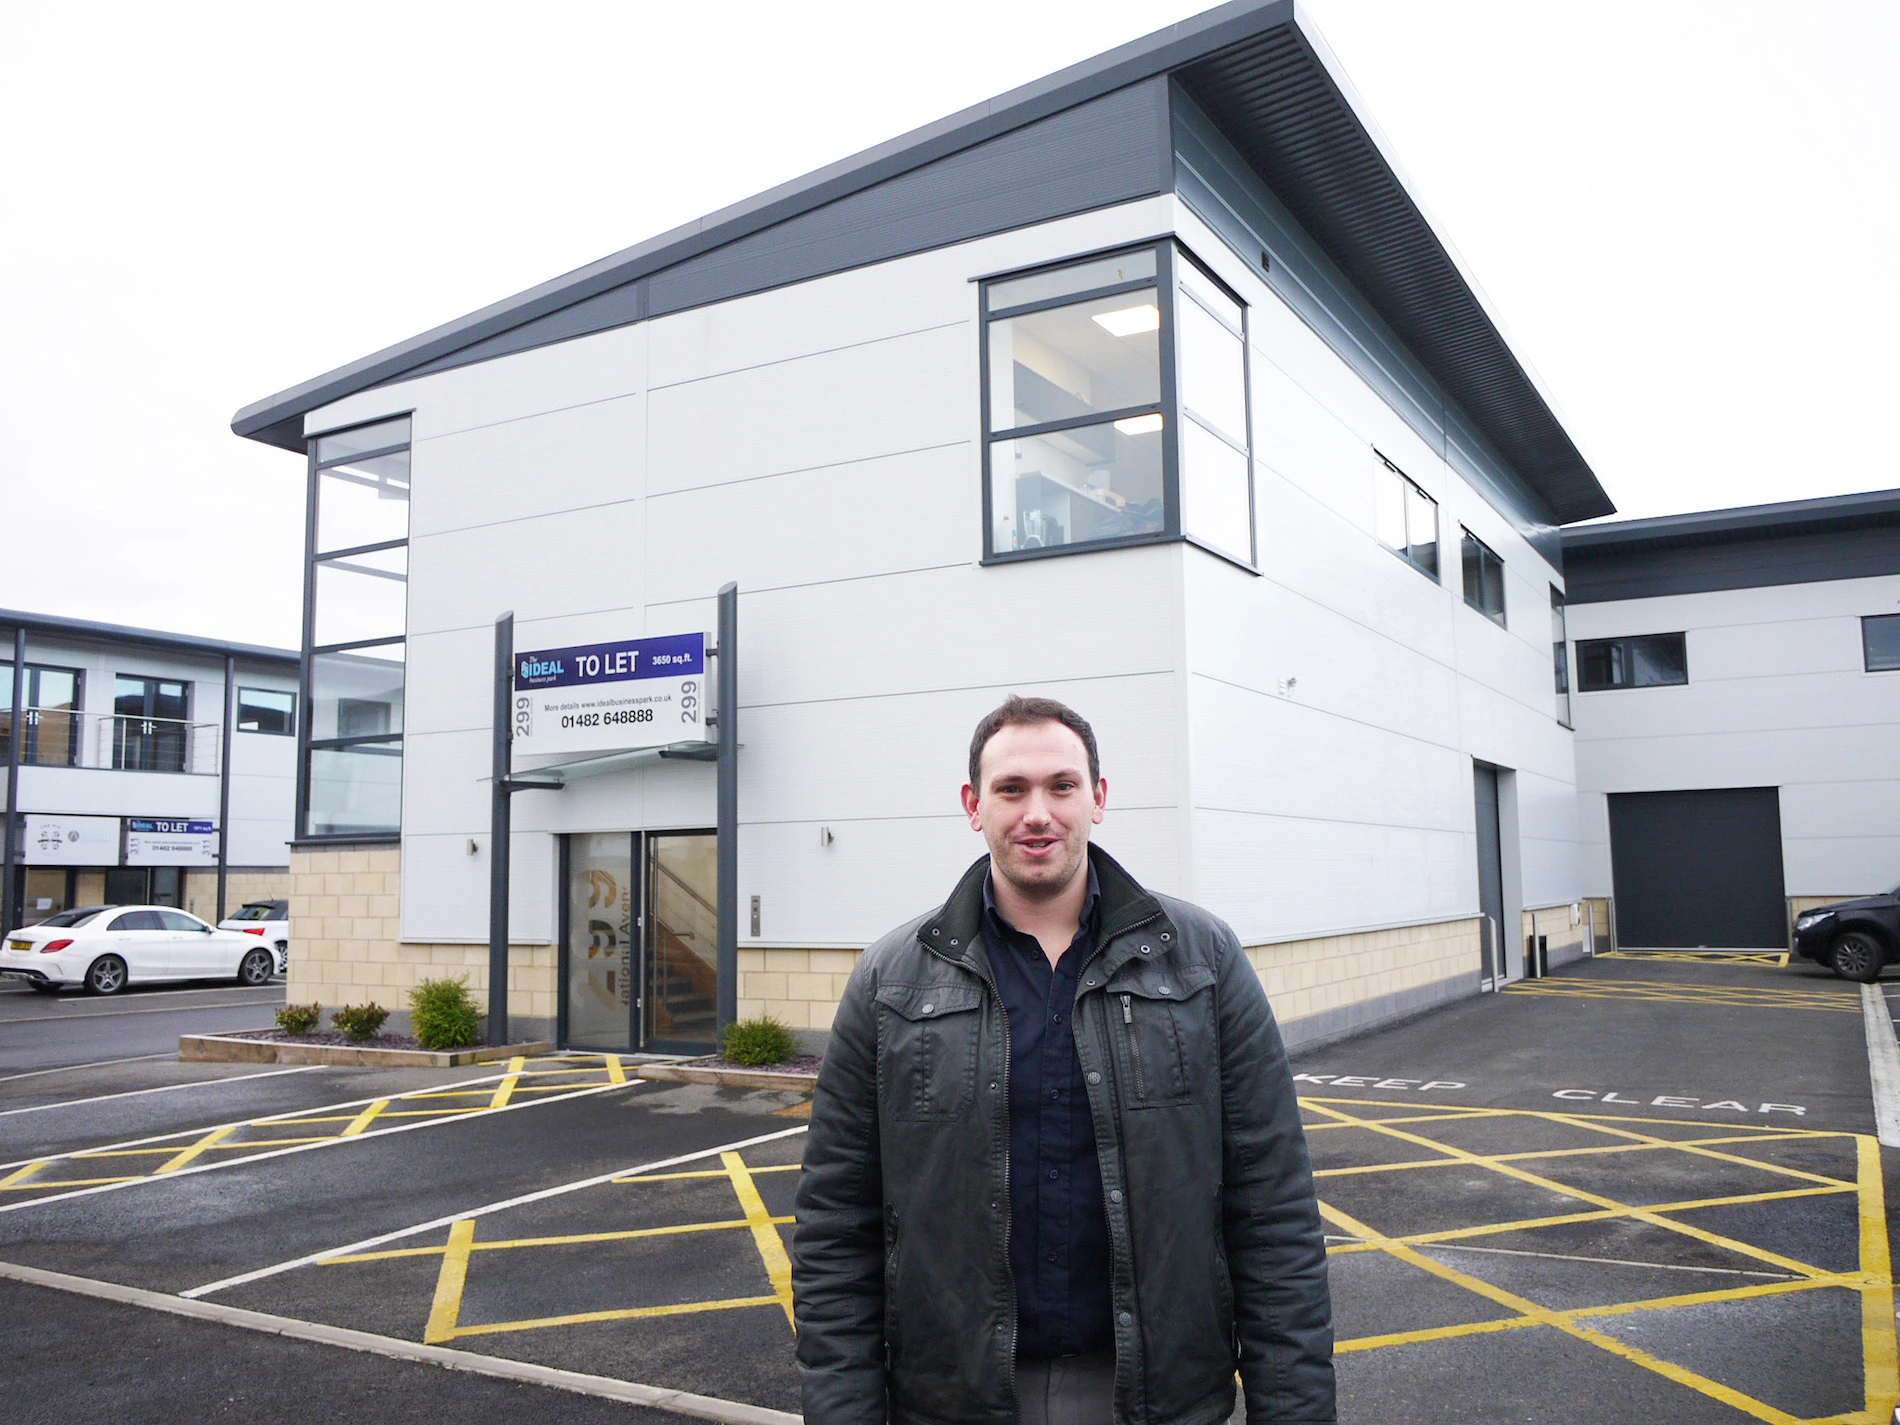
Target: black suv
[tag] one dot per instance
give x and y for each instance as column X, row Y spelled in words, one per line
column 1856, row 938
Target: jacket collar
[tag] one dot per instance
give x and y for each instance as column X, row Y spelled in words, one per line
column 954, row 930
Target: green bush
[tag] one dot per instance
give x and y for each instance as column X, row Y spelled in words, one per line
column 359, row 1021
column 757, row 1043
column 299, row 1019
column 442, row 1015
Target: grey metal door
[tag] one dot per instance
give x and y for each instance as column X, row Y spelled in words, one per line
column 1699, row 869
column 1484, row 779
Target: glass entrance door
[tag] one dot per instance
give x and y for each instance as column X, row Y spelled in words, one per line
column 682, row 937
column 639, row 963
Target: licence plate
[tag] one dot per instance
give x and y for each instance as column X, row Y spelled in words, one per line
column 19, row 945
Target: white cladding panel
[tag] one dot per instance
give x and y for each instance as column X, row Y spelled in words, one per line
column 1778, row 696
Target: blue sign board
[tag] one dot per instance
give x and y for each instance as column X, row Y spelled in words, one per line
column 675, row 655
column 159, row 826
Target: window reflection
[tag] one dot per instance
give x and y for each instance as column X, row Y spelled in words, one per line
column 1095, row 482
column 357, row 694
column 362, row 597
column 363, row 502
column 355, row 791
column 1067, row 362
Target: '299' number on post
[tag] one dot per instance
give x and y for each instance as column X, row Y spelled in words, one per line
column 689, row 701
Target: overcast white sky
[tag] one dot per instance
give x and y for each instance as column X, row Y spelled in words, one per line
column 1684, row 213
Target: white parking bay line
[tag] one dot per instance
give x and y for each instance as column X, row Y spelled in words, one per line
column 89, row 1064
column 290, row 1120
column 312, row 1258
column 1883, row 1064
column 162, row 1088
column 680, row 1402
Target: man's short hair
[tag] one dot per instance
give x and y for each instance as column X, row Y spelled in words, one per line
column 1017, row 709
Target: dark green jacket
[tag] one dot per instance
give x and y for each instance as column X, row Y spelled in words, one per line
column 905, row 1306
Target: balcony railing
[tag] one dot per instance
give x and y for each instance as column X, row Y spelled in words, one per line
column 58, row 737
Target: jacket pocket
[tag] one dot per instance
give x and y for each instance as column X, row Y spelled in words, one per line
column 927, row 1050
column 1162, row 1025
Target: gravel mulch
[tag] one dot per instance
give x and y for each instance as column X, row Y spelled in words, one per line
column 328, row 1037
column 797, row 1064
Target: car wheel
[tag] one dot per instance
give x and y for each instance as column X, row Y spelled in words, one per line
column 106, row 976
column 1856, row 955
column 256, row 967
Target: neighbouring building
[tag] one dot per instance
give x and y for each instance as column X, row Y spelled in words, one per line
column 123, row 773
column 1147, row 386
column 1737, row 710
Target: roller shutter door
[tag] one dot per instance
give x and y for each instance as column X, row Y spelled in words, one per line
column 1698, row 870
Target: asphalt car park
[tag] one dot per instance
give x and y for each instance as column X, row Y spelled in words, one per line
column 63, row 1031
column 1646, row 1187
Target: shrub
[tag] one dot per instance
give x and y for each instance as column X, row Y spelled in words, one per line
column 442, row 1015
column 359, row 1021
column 757, row 1043
column 299, row 1019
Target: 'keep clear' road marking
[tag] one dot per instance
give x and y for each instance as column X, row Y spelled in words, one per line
column 1670, row 1100
column 1369, row 1081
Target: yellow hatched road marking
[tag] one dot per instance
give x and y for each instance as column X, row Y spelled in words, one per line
column 629, row 1313
column 505, row 1090
column 1703, row 957
column 210, row 1140
column 21, row 1174
column 1530, row 1309
column 706, row 1173
column 1876, row 1294
column 364, row 1119
column 507, row 1245
column 778, row 1267
column 1695, row 1149
column 450, row 1283
column 615, row 1073
column 73, row 1182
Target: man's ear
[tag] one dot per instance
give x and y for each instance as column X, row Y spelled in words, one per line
column 1101, row 799
column 970, row 807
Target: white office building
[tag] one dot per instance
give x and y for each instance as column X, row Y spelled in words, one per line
column 1147, row 386
column 143, row 767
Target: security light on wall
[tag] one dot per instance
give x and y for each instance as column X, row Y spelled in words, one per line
column 1130, row 321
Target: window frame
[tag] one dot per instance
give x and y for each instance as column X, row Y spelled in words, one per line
column 1408, row 484
column 1560, row 657
column 295, row 702
column 1502, row 617
column 31, row 753
column 1866, row 648
column 1168, row 251
column 314, row 556
column 1628, row 638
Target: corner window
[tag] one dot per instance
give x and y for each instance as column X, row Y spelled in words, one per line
column 355, row 622
column 1484, row 579
column 1560, row 655
column 1405, row 518
column 1880, row 643
column 1115, row 401
column 1653, row 660
column 49, row 710
column 262, row 710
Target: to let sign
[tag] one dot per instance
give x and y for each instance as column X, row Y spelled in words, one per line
column 163, row 841
column 611, row 697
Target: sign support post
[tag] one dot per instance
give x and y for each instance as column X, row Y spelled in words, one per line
column 727, row 959
column 499, row 827
column 14, row 733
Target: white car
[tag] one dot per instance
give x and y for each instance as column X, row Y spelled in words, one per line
column 107, row 947
column 269, row 919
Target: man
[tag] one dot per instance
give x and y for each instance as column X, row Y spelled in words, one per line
column 1055, row 1173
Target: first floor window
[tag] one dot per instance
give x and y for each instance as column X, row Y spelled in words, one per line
column 1405, row 517
column 1560, row 655
column 150, row 727
column 49, row 713
column 1653, row 660
column 1880, row 643
column 265, row 710
column 1484, row 579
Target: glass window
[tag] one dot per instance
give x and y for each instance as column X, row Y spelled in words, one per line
column 1069, row 362
column 263, row 710
column 49, row 699
column 1880, row 642
column 1216, row 493
column 1405, row 518
column 384, row 435
column 1083, row 277
column 363, row 502
column 1649, row 661
column 1093, row 482
column 355, row 791
column 137, row 920
column 178, row 920
column 149, row 728
column 362, row 597
column 1213, row 372
column 1484, row 578
column 356, row 694
column 1560, row 655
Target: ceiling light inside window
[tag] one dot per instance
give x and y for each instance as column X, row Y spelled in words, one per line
column 1139, row 425
column 1131, row 321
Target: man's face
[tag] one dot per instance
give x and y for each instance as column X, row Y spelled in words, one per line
column 1035, row 805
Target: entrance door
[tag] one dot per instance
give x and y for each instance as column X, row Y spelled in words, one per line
column 639, row 958
column 1698, row 870
column 1490, row 870
column 126, row 885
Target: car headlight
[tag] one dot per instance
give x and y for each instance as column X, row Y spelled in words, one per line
column 1811, row 918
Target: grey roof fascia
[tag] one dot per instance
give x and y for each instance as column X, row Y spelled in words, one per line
column 1739, row 522
column 95, row 632
column 277, row 419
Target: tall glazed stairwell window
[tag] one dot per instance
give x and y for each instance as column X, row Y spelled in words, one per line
column 356, row 587
column 1115, row 408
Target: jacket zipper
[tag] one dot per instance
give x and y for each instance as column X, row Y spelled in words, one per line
column 1134, row 1047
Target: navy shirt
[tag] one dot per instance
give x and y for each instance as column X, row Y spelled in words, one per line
column 1058, row 1232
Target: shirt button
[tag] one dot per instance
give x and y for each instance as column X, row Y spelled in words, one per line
column 1094, row 1077
column 1052, row 1257
column 1055, row 1019
column 1115, row 1195
column 1054, row 1174
column 1055, row 1093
